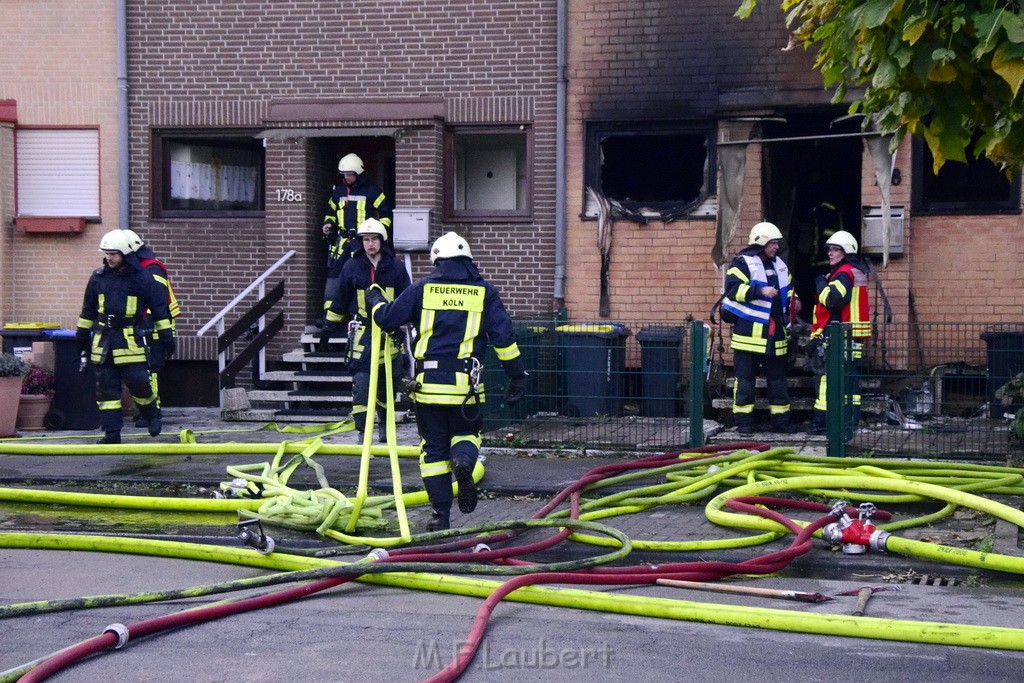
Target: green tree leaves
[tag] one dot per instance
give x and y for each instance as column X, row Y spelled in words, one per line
column 940, row 69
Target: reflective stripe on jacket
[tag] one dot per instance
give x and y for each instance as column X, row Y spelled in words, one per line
column 845, row 294
column 114, row 305
column 456, row 313
column 743, row 282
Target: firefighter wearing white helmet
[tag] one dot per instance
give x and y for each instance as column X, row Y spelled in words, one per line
column 758, row 297
column 353, row 200
column 763, row 233
column 112, row 334
column 843, row 297
column 449, row 245
column 158, row 271
column 373, row 262
column 456, row 313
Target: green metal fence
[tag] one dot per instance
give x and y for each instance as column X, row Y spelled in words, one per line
column 594, row 384
column 929, row 390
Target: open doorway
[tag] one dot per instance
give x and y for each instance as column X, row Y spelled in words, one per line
column 378, row 155
column 812, row 188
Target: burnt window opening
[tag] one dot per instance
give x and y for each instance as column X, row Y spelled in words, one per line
column 977, row 187
column 649, row 173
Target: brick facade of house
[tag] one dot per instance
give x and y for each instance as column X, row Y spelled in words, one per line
column 57, row 70
column 233, row 65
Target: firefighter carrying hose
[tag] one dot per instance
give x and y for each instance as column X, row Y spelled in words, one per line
column 372, row 263
column 456, row 312
column 352, row 201
column 112, row 336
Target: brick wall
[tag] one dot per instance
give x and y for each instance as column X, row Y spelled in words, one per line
column 58, row 64
column 678, row 61
column 221, row 64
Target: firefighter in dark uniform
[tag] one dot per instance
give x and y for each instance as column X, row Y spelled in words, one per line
column 372, row 263
column 352, row 201
column 112, row 335
column 158, row 271
column 759, row 292
column 843, row 297
column 456, row 313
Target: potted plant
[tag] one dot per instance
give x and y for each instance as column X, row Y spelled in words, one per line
column 36, row 398
column 12, row 369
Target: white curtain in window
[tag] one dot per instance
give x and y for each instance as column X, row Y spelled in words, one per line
column 212, row 182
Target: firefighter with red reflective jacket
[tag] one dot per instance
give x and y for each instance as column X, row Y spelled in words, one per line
column 147, row 259
column 152, row 265
column 113, row 335
column 372, row 263
column 352, row 201
column 758, row 296
column 456, row 313
column 843, row 297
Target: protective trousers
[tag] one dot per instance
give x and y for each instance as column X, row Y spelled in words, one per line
column 448, row 440
column 361, row 392
column 135, row 376
column 746, row 365
column 852, row 388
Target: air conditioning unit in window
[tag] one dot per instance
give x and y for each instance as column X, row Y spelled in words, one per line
column 871, row 230
column 412, row 229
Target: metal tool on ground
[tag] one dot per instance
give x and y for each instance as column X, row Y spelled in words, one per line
column 802, row 596
column 864, row 594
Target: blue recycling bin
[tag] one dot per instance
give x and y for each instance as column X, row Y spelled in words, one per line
column 593, row 364
column 660, row 367
column 74, row 397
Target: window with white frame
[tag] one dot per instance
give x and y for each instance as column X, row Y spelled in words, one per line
column 488, row 172
column 207, row 174
column 58, row 172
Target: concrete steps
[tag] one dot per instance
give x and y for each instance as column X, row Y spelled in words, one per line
column 318, row 388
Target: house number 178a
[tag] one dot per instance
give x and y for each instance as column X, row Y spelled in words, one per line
column 289, row 196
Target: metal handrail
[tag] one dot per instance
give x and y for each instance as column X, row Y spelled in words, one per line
column 258, row 282
column 218, row 320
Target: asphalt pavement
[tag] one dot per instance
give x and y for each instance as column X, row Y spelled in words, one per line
column 407, row 631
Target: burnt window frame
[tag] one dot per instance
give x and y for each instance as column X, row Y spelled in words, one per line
column 161, row 170
column 451, row 136
column 921, row 164
column 597, row 131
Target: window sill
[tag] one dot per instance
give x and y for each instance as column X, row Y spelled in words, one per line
column 50, row 224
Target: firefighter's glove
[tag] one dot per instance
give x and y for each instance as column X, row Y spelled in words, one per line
column 330, row 329
column 515, row 391
column 84, row 340
column 815, row 355
column 167, row 347
column 397, row 338
column 375, row 296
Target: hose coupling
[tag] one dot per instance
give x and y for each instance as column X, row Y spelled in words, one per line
column 121, row 631
column 855, row 535
column 879, row 540
column 378, row 554
column 481, row 548
column 250, row 533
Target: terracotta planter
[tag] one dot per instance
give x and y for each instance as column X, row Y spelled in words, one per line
column 31, row 410
column 10, row 397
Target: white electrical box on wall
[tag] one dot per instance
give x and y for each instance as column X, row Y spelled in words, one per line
column 412, row 229
column 871, row 230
